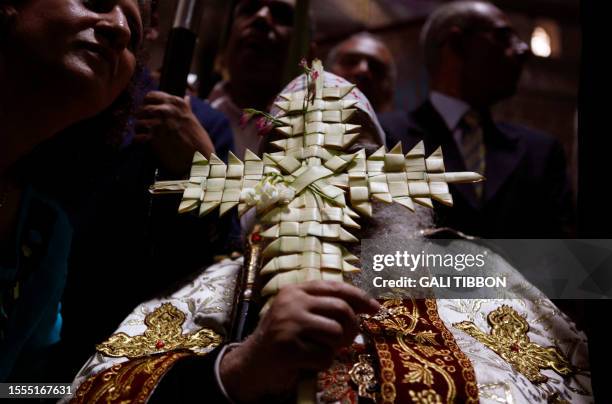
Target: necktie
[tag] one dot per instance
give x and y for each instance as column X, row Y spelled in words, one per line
column 472, row 146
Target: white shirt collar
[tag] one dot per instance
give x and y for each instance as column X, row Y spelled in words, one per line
column 450, row 109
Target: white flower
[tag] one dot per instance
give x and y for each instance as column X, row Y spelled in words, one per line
column 250, row 196
column 267, row 193
column 286, row 194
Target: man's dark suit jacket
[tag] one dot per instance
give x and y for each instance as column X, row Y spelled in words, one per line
column 526, row 193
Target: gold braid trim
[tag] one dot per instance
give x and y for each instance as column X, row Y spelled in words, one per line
column 387, row 373
column 419, row 359
column 469, row 376
column 129, row 382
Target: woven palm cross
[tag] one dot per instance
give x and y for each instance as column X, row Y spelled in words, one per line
column 309, row 194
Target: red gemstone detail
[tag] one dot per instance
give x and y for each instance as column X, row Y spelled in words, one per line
column 514, row 347
column 256, row 237
column 159, row 344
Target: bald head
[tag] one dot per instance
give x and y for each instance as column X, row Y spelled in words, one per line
column 472, row 52
column 452, row 17
column 366, row 61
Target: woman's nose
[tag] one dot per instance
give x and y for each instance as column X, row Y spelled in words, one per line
column 115, row 29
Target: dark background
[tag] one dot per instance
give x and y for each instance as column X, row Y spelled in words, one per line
column 548, row 92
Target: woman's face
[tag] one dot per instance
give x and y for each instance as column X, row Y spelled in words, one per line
column 84, row 50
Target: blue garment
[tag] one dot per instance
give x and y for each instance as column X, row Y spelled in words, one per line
column 33, row 271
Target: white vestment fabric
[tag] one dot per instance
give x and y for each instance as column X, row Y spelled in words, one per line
column 497, row 381
column 206, row 301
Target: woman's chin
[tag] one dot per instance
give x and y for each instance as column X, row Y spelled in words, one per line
column 98, row 91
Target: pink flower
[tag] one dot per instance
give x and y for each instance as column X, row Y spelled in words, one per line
column 260, row 123
column 245, row 118
column 314, row 75
column 263, row 126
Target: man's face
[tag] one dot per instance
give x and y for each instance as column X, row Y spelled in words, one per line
column 260, row 37
column 87, row 47
column 494, row 57
column 367, row 63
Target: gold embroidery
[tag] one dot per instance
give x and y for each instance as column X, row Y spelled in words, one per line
column 467, row 371
column 418, row 374
column 508, row 339
column 428, row 356
column 426, row 337
column 425, row 397
column 164, row 333
column 128, row 382
column 387, row 373
column 363, row 375
column 419, row 368
column 427, row 350
column 422, row 372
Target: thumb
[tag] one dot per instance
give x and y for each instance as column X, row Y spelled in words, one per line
column 187, row 99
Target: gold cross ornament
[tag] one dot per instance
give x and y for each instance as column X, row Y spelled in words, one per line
column 508, row 338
